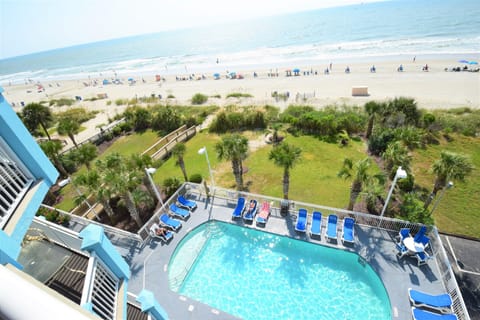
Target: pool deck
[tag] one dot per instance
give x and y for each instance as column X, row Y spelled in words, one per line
column 149, row 262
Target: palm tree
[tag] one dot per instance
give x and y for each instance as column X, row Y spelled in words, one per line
column 34, row 115
column 92, row 182
column 234, row 148
column 357, row 171
column 286, row 156
column 70, row 127
column 122, row 178
column 85, row 154
column 372, row 108
column 178, row 152
column 52, row 149
column 396, row 155
column 450, row 166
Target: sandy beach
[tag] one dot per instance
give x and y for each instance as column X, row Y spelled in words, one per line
column 436, row 88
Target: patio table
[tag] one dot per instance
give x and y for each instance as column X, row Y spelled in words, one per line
column 413, row 246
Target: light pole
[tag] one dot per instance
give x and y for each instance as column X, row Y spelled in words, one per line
column 449, row 185
column 204, row 151
column 400, row 174
column 149, row 172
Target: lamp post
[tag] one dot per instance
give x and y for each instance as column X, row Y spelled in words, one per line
column 149, row 172
column 449, row 185
column 400, row 174
column 204, row 151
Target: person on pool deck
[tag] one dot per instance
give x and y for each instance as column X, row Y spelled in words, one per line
column 160, row 231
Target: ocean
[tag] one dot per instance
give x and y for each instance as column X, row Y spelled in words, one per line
column 365, row 31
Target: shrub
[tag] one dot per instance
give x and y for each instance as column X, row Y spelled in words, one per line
column 170, row 96
column 378, row 142
column 239, row 95
column 170, row 185
column 199, row 98
column 195, row 178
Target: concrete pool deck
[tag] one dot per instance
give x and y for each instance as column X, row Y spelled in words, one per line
column 149, row 261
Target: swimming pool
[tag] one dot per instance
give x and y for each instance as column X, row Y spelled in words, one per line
column 257, row 275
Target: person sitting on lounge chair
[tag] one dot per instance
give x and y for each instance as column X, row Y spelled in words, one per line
column 161, row 231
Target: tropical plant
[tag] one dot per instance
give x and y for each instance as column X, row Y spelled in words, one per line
column 234, row 148
column 170, row 185
column 396, row 155
column 285, row 156
column 178, row 152
column 52, row 149
column 70, row 127
column 92, row 183
column 142, row 119
column 34, row 115
column 358, row 172
column 372, row 108
column 413, row 210
column 85, row 154
column 450, row 166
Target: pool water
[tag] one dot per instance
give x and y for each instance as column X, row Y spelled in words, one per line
column 257, row 275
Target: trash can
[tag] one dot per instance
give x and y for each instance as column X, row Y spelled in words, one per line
column 284, row 206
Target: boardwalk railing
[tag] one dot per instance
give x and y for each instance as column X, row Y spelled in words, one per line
column 164, row 146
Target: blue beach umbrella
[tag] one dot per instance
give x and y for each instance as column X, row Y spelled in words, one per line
column 296, row 70
column 216, row 75
column 463, row 61
column 473, row 62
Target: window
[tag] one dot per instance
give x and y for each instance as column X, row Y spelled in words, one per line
column 14, row 182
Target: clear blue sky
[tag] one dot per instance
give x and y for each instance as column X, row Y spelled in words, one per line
column 28, row 26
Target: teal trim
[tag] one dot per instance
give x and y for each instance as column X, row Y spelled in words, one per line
column 9, row 250
column 89, row 307
column 94, row 240
column 150, row 305
column 22, row 143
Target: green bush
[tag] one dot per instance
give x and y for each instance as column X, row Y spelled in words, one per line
column 195, row 178
column 199, row 98
column 239, row 95
column 170, row 96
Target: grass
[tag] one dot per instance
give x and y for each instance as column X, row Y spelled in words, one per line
column 313, row 180
column 458, row 212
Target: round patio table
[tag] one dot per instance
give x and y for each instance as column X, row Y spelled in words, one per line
column 413, row 246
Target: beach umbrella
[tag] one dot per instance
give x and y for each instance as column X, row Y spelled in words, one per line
column 296, row 70
column 216, row 75
column 463, row 61
column 473, row 62
column 130, row 79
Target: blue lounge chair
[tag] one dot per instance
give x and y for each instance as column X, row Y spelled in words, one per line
column 263, row 214
column 419, row 314
column 185, row 203
column 251, row 210
column 316, row 227
column 348, row 230
column 237, row 213
column 440, row 302
column 301, row 225
column 179, row 212
column 167, row 236
column 402, row 250
column 168, row 222
column 331, row 232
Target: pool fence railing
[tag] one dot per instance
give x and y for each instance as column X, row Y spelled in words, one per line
column 228, row 198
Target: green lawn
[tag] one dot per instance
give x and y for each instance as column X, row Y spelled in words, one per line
column 313, row 180
column 458, row 211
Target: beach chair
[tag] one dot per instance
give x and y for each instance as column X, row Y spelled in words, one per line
column 331, row 232
column 238, row 211
column 403, row 233
column 301, row 225
column 187, row 204
column 402, row 250
column 251, row 210
column 263, row 214
column 170, row 223
column 165, row 237
column 439, row 302
column 348, row 230
column 316, row 227
column 420, row 234
column 179, row 212
column 422, row 258
column 420, row 314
